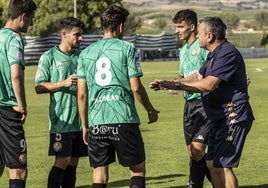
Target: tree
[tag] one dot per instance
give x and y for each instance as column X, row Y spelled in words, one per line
column 262, row 19
column 132, row 24
column 3, row 12
column 47, row 14
column 160, row 23
column 264, row 40
column 1, row 21
column 230, row 19
column 50, row 11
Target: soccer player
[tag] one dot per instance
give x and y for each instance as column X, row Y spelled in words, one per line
column 13, row 106
column 223, row 83
column 108, row 79
column 196, row 124
column 56, row 75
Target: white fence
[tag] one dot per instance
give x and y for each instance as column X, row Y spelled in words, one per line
column 254, row 52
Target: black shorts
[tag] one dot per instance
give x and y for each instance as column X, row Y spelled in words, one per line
column 13, row 148
column 226, row 143
column 195, row 122
column 124, row 139
column 67, row 144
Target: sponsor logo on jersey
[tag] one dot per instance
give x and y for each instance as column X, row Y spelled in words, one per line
column 104, row 129
column 59, row 65
column 106, row 98
column 105, row 132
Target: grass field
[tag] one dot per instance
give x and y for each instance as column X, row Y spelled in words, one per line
column 167, row 161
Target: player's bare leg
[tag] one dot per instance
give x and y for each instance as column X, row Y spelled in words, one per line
column 100, row 177
column 222, row 177
column 20, row 174
column 137, row 173
column 17, row 177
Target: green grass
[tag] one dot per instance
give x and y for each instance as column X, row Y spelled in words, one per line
column 167, row 160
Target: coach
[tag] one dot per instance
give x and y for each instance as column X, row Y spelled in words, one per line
column 223, row 84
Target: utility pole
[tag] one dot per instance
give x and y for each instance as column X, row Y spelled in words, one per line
column 75, row 12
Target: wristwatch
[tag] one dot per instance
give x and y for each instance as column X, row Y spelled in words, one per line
column 177, row 85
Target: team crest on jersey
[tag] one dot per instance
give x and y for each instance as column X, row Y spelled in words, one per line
column 37, row 75
column 194, row 52
column 138, row 64
column 23, row 158
column 57, row 146
column 19, row 55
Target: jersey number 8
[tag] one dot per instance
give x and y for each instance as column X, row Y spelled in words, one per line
column 103, row 75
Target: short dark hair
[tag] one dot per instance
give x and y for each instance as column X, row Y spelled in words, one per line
column 112, row 16
column 187, row 15
column 69, row 22
column 216, row 26
column 18, row 7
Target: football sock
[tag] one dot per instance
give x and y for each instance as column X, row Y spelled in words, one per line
column 16, row 183
column 99, row 185
column 69, row 177
column 55, row 177
column 197, row 175
column 137, row 182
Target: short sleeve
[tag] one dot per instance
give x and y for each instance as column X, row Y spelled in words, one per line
column 134, row 66
column 43, row 69
column 225, row 65
column 16, row 51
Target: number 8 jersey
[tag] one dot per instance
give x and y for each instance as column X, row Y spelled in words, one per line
column 108, row 65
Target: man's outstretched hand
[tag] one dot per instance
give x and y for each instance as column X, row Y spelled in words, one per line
column 155, row 85
column 162, row 85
